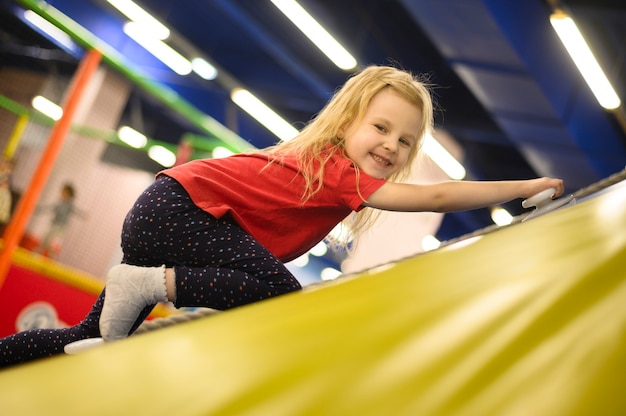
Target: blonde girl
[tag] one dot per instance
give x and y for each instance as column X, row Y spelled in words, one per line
column 215, row 233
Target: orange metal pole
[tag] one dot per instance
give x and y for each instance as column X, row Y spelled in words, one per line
column 15, row 229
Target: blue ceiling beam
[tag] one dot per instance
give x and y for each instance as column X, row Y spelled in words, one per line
column 274, row 48
column 510, row 58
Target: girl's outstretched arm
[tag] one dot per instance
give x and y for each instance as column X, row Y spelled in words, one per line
column 457, row 195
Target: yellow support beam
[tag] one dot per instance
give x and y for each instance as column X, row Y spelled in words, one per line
column 16, row 136
column 527, row 320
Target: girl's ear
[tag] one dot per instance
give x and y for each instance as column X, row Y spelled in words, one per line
column 343, row 130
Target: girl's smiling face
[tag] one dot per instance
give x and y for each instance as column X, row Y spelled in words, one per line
column 380, row 143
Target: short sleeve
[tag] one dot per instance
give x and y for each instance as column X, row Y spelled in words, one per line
column 354, row 186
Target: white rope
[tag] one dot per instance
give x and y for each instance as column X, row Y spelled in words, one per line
column 157, row 323
column 82, row 345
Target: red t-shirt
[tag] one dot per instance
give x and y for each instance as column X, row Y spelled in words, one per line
column 267, row 203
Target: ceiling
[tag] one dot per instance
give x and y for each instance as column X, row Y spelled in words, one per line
column 504, row 87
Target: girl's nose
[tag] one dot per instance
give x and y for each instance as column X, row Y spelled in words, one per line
column 390, row 145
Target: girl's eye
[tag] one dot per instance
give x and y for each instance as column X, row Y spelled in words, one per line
column 405, row 142
column 380, row 128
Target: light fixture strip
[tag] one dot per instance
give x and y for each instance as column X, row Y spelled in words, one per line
column 316, row 33
column 586, row 63
column 438, row 154
column 138, row 15
column 132, row 137
column 160, row 50
column 162, row 155
column 47, row 107
column 204, row 69
column 263, row 114
column 430, row 242
column 501, row 216
column 50, row 30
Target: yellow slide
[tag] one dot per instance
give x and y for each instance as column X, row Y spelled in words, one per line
column 528, row 320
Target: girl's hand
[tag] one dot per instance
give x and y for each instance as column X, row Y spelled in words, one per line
column 534, row 186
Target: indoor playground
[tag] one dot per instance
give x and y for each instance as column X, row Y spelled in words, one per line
column 515, row 309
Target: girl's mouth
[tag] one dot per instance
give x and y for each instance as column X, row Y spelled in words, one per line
column 380, row 160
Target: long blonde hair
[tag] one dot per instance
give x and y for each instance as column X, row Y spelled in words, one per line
column 319, row 141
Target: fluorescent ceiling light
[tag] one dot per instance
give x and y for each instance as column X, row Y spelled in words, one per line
column 50, row 30
column 47, row 107
column 263, row 114
column 162, row 156
column 204, row 69
column 175, row 61
column 329, row 273
column 501, row 216
column 316, row 33
column 430, row 242
column 141, row 17
column 443, row 158
column 319, row 250
column 221, row 152
column 132, row 137
column 301, row 261
column 578, row 49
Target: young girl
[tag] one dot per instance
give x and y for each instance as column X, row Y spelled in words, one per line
column 215, row 233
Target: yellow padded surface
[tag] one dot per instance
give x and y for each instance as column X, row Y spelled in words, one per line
column 530, row 319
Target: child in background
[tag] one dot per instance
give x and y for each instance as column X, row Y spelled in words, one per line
column 62, row 211
column 215, row 233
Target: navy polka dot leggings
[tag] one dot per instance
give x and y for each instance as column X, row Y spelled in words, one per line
column 216, row 264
